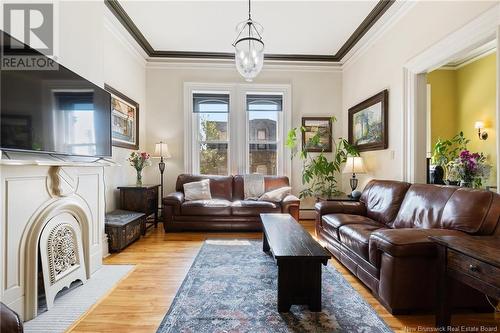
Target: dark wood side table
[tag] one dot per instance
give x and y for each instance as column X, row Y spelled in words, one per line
column 473, row 260
column 143, row 199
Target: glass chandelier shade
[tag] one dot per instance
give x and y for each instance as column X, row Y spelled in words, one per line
column 249, row 48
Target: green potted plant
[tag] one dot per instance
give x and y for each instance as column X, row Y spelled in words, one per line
column 320, row 170
column 446, row 151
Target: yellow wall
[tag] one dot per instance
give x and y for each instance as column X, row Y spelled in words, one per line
column 461, row 97
column 476, row 91
column 444, row 121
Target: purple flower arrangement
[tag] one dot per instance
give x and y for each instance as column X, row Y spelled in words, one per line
column 469, row 168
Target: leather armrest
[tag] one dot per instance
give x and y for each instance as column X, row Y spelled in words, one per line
column 340, row 207
column 291, row 204
column 9, row 320
column 174, row 200
column 405, row 242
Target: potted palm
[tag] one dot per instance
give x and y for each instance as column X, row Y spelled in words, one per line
column 320, row 170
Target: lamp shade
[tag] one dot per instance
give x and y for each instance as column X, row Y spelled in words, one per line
column 161, row 150
column 354, row 164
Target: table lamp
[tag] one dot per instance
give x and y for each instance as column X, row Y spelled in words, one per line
column 161, row 152
column 354, row 165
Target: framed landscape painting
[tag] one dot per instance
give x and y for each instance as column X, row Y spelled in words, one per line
column 124, row 120
column 368, row 123
column 313, row 126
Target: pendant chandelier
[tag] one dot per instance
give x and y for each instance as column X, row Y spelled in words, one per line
column 249, row 47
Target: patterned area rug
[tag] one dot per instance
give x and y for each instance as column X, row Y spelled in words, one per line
column 232, row 287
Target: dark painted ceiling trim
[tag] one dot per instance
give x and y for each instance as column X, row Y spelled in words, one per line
column 122, row 16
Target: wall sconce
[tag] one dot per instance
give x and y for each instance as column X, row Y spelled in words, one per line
column 479, row 125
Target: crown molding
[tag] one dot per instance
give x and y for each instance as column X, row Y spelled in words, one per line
column 395, row 14
column 375, row 14
column 475, row 55
column 137, row 53
column 228, row 64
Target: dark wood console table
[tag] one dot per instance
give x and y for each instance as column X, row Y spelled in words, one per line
column 473, row 260
column 143, row 199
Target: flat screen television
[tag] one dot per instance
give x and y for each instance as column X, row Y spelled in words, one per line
column 52, row 111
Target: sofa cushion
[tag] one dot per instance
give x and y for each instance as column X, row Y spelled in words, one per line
column 356, row 237
column 197, row 190
column 221, row 187
column 270, row 183
column 276, row 195
column 332, row 222
column 206, row 207
column 254, row 208
column 472, row 211
column 423, row 206
column 383, row 199
column 406, row 242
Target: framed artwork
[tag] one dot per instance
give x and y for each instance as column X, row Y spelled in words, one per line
column 313, row 126
column 368, row 123
column 124, row 120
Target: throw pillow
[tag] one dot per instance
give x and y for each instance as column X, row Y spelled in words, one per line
column 276, row 195
column 197, row 190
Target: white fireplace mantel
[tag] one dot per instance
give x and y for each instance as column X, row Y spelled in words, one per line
column 33, row 192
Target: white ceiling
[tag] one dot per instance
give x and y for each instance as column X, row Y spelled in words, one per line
column 290, row 27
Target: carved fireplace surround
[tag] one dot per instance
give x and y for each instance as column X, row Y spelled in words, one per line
column 32, row 195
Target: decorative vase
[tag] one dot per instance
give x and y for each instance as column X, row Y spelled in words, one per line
column 138, row 181
column 465, row 184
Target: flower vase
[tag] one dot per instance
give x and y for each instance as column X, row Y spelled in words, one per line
column 465, row 184
column 138, row 181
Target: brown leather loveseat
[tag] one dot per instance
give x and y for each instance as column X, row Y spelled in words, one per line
column 227, row 210
column 383, row 238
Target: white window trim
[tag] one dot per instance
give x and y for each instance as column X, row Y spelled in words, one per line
column 191, row 161
column 238, row 119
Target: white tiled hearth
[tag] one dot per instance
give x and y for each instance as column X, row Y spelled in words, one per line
column 33, row 194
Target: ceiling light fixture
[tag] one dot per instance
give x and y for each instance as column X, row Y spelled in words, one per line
column 249, row 47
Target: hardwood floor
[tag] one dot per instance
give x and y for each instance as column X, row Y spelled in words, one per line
column 140, row 301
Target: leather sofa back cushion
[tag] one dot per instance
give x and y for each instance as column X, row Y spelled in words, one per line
column 270, row 183
column 383, row 198
column 423, row 206
column 221, row 187
column 472, row 211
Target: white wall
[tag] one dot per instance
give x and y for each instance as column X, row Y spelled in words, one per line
column 92, row 47
column 314, row 93
column 381, row 67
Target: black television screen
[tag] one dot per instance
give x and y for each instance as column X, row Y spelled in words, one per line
column 52, row 111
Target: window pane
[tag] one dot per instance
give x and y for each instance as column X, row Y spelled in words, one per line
column 262, row 125
column 263, row 159
column 213, row 126
column 264, row 102
column 213, row 159
column 210, row 102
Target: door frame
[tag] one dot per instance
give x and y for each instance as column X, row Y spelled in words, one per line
column 485, row 27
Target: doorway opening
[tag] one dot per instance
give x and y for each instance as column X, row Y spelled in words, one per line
column 461, row 119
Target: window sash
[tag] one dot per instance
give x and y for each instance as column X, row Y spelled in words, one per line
column 238, row 143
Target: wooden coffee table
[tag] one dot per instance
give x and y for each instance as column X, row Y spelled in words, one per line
column 299, row 258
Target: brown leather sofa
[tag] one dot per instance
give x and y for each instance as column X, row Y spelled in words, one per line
column 383, row 238
column 9, row 320
column 227, row 211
